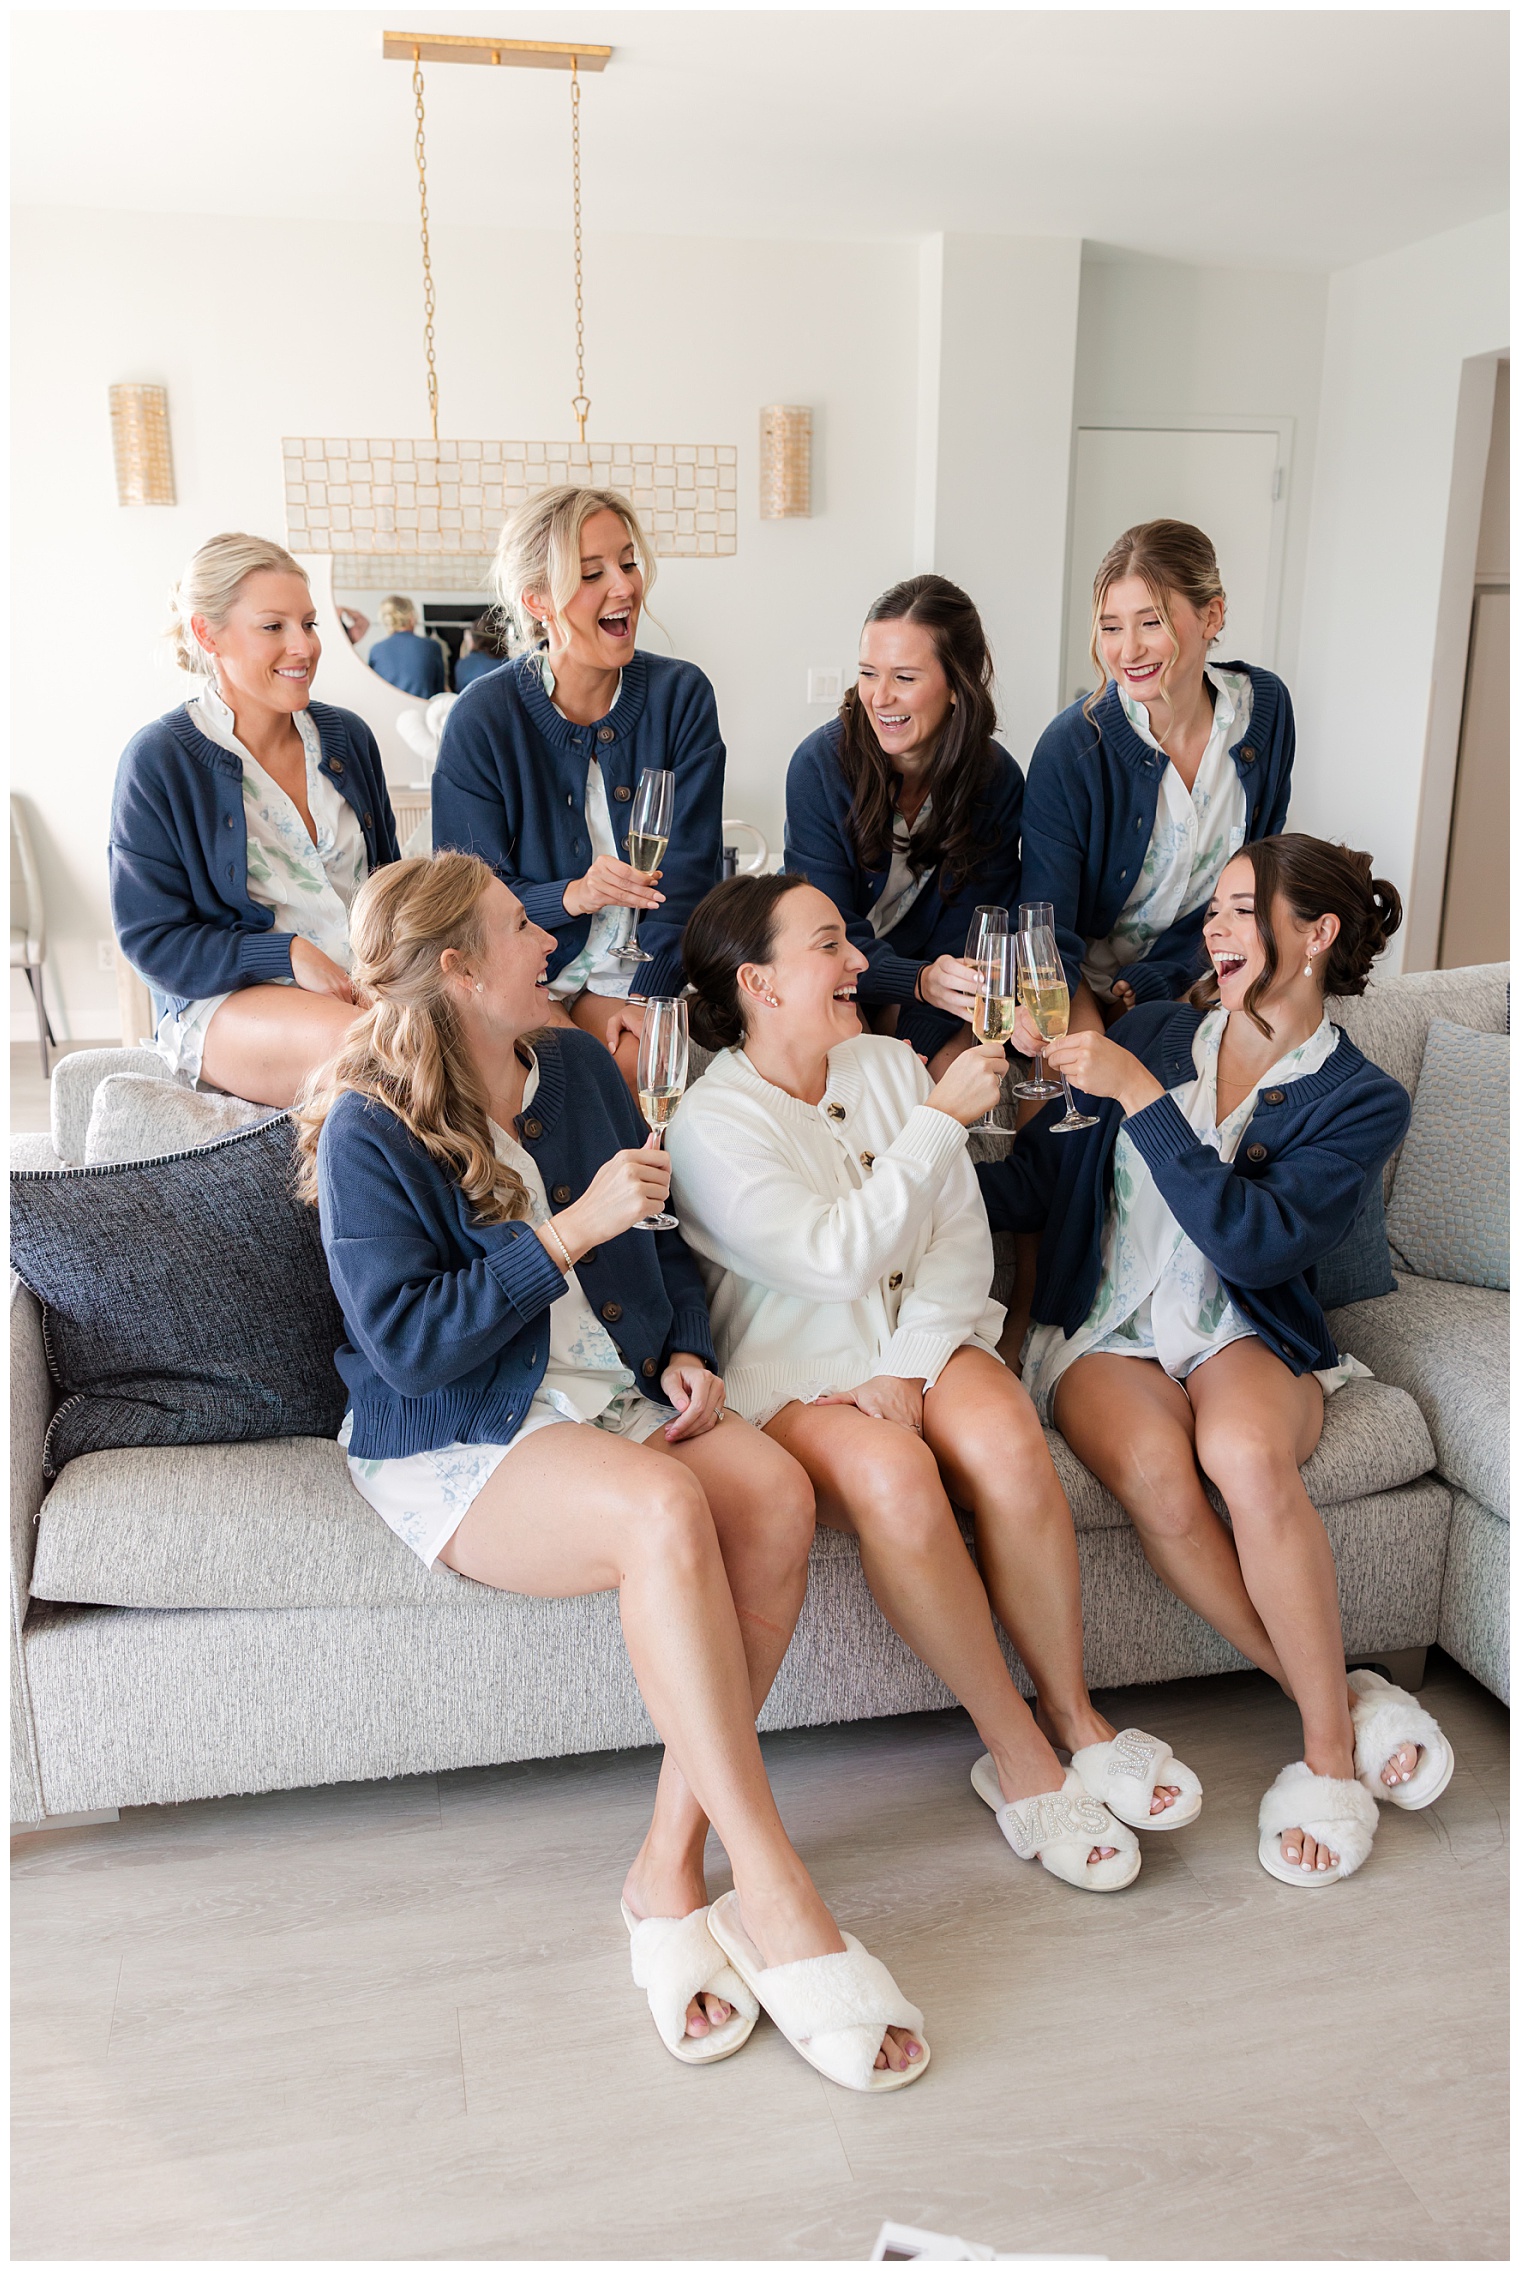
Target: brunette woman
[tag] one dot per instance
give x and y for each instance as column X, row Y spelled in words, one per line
column 481, row 1184
column 904, row 811
column 242, row 825
column 1140, row 794
column 1178, row 1338
column 822, row 1179
column 541, row 760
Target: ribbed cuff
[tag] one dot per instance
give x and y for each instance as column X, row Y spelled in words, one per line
column 1149, row 981
column 691, row 1331
column 544, row 904
column 264, row 956
column 664, row 977
column 918, row 1355
column 523, row 1267
column 929, row 1136
column 1160, row 1133
column 888, row 977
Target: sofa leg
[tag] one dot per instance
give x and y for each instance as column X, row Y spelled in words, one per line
column 1404, row 1666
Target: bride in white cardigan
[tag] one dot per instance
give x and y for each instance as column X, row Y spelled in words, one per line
column 824, row 1186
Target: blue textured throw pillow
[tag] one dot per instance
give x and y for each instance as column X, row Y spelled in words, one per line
column 1449, row 1214
column 186, row 1300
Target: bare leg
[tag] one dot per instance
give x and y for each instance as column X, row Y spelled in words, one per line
column 592, row 1013
column 264, row 1041
column 629, row 1519
column 880, row 1483
column 947, row 1052
column 1086, row 1014
column 983, row 1430
column 1132, row 1427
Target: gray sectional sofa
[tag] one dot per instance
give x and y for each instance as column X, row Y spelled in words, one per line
column 192, row 1623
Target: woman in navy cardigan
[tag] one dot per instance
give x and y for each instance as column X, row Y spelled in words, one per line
column 540, row 762
column 1177, row 1334
column 905, row 812
column 532, row 1402
column 1139, row 794
column 242, row 825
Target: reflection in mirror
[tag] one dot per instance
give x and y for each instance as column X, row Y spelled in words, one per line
column 427, row 643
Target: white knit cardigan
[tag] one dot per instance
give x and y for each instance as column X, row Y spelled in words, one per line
column 837, row 1240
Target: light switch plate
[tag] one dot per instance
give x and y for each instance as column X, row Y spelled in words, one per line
column 826, row 686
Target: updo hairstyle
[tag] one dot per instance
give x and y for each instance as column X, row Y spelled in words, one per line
column 1316, row 879
column 210, row 585
column 734, row 924
column 397, row 613
column 539, row 550
column 1167, row 556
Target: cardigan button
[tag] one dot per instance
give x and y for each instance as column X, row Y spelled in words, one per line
column 532, row 1128
column 868, row 1159
column 589, row 1256
column 835, row 1111
column 1256, row 1152
column 605, row 733
column 561, row 1194
column 649, row 1368
column 337, row 764
column 894, row 1281
column 622, row 792
column 612, row 1310
column 1248, row 756
column 368, row 821
column 1273, row 1096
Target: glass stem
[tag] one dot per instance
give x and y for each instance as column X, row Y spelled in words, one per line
column 1071, row 1102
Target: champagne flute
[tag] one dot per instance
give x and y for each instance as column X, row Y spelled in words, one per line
column 663, row 1051
column 648, row 834
column 1045, row 996
column 1036, row 914
column 990, row 948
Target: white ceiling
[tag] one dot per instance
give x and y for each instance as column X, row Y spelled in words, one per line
column 1267, row 139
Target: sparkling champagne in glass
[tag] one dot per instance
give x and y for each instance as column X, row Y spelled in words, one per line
column 989, row 949
column 1036, row 914
column 1042, row 988
column 648, row 834
column 663, row 1051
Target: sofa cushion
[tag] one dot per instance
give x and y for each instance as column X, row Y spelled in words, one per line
column 279, row 1525
column 187, row 1298
column 135, row 1116
column 1448, row 1347
column 1449, row 1214
column 71, row 1092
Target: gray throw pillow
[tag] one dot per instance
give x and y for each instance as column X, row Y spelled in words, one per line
column 1449, row 1213
column 137, row 1117
column 186, row 1299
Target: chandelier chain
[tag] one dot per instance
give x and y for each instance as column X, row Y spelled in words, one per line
column 580, row 404
column 429, row 297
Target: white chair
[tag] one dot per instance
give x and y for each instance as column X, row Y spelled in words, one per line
column 28, row 923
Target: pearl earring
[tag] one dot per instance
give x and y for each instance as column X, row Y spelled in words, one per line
column 1309, row 964
column 479, row 988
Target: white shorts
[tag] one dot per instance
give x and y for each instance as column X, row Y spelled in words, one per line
column 425, row 1497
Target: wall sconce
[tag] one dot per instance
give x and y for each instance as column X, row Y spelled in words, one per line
column 786, row 462
column 140, row 439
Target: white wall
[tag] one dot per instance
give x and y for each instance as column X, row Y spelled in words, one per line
column 1158, row 340
column 264, row 328
column 1398, row 332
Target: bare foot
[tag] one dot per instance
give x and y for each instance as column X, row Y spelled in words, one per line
column 788, row 1927
column 1072, row 1738
column 1302, row 1852
column 1400, row 1767
column 650, row 1890
column 1007, row 1783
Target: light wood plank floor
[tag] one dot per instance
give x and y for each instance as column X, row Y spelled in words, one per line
column 394, row 2021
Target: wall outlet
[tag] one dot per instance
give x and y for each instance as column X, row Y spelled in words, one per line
column 826, row 686
column 105, row 954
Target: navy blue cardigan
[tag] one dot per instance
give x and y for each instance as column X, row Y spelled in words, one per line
column 1305, row 1166
column 179, row 853
column 511, row 787
column 819, row 845
column 1090, row 809
column 448, row 1319
column 411, row 662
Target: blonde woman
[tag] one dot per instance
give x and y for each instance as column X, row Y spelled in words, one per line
column 480, row 1180
column 823, row 1181
column 405, row 658
column 242, row 825
column 540, row 761
column 1139, row 795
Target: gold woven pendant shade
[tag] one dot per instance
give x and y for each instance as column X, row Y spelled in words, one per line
column 786, row 462
column 140, row 440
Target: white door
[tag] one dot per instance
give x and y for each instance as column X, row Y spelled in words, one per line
column 1224, row 482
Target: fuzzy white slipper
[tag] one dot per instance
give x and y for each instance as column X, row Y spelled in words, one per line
column 1341, row 1815
column 676, row 1958
column 1060, row 1828
column 833, row 2010
column 1123, row 1775
column 1386, row 1717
